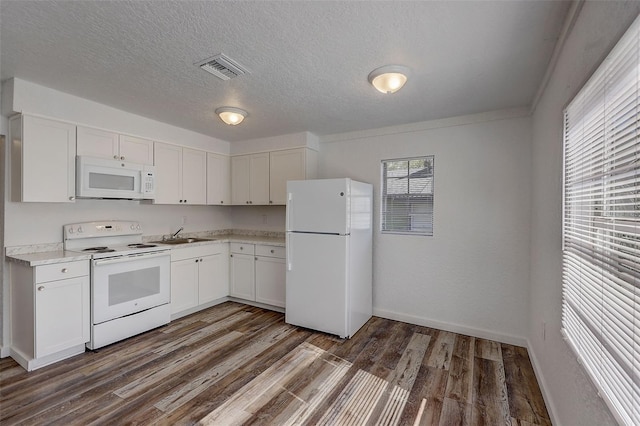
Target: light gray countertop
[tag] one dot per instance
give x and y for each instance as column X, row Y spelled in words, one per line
column 57, row 255
column 47, row 257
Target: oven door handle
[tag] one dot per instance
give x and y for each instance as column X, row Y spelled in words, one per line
column 129, row 258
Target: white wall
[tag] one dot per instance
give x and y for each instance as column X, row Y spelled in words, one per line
column 472, row 275
column 274, row 143
column 33, row 223
column 573, row 399
column 263, row 218
column 26, row 97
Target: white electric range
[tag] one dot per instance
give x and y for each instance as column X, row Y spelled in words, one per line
column 130, row 280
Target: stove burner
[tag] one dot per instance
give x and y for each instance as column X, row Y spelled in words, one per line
column 95, row 249
column 137, row 245
column 104, row 250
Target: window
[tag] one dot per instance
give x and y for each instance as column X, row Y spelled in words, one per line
column 601, row 228
column 407, row 196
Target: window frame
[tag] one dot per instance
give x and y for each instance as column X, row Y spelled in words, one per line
column 429, row 203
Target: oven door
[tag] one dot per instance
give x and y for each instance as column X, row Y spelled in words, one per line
column 125, row 285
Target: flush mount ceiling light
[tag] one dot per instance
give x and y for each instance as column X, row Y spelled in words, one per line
column 389, row 79
column 230, row 115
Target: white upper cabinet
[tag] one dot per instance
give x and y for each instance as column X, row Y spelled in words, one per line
column 168, row 162
column 136, row 150
column 43, row 155
column 218, row 179
column 181, row 175
column 262, row 178
column 105, row 144
column 289, row 164
column 194, row 176
column 97, row 143
column 240, row 179
column 250, row 179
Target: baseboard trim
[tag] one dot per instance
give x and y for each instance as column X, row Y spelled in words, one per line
column 548, row 401
column 257, row 304
column 454, row 328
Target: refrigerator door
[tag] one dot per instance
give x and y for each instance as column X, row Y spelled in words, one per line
column 316, row 282
column 319, row 206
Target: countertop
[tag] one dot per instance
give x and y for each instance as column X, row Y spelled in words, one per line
column 56, row 255
column 47, row 257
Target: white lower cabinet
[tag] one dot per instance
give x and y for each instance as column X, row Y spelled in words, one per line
column 242, row 269
column 199, row 275
column 258, row 273
column 50, row 312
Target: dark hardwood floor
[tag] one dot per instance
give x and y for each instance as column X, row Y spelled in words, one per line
column 237, row 364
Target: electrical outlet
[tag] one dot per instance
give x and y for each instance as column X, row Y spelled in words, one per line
column 264, row 219
column 544, row 330
column 184, row 220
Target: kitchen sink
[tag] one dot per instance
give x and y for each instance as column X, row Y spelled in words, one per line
column 184, row 240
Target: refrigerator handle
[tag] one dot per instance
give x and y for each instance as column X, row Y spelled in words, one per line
column 287, row 243
column 288, row 211
column 287, row 229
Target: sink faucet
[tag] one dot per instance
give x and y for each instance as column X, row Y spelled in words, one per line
column 177, row 232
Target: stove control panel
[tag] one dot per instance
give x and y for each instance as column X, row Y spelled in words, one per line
column 101, row 229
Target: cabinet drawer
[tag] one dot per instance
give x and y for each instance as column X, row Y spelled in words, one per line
column 242, row 248
column 181, row 253
column 270, row 251
column 61, row 271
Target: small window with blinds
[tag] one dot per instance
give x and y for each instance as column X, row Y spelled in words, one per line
column 407, row 196
column 601, row 228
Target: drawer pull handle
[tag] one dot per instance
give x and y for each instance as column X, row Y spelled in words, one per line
column 273, row 251
column 241, row 248
column 64, row 270
column 41, row 288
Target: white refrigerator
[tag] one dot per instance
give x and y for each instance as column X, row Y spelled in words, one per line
column 329, row 255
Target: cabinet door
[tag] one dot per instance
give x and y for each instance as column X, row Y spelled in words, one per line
column 270, row 280
column 194, row 176
column 168, row 162
column 136, row 150
column 240, row 179
column 184, row 285
column 62, row 315
column 218, row 179
column 259, row 178
column 242, row 276
column 213, row 276
column 43, row 160
column 97, row 143
column 285, row 165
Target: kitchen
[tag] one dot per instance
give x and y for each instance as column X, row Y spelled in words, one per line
column 487, row 156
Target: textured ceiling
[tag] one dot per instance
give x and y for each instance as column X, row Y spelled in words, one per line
column 309, row 60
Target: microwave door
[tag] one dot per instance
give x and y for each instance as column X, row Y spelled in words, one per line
column 107, row 182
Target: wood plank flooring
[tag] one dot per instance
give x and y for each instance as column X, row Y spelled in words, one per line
column 236, row 364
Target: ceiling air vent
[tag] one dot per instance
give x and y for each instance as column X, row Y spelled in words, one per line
column 222, row 67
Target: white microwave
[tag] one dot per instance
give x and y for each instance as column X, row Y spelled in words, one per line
column 106, row 178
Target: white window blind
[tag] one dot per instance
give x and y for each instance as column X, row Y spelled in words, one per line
column 407, row 196
column 601, row 228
